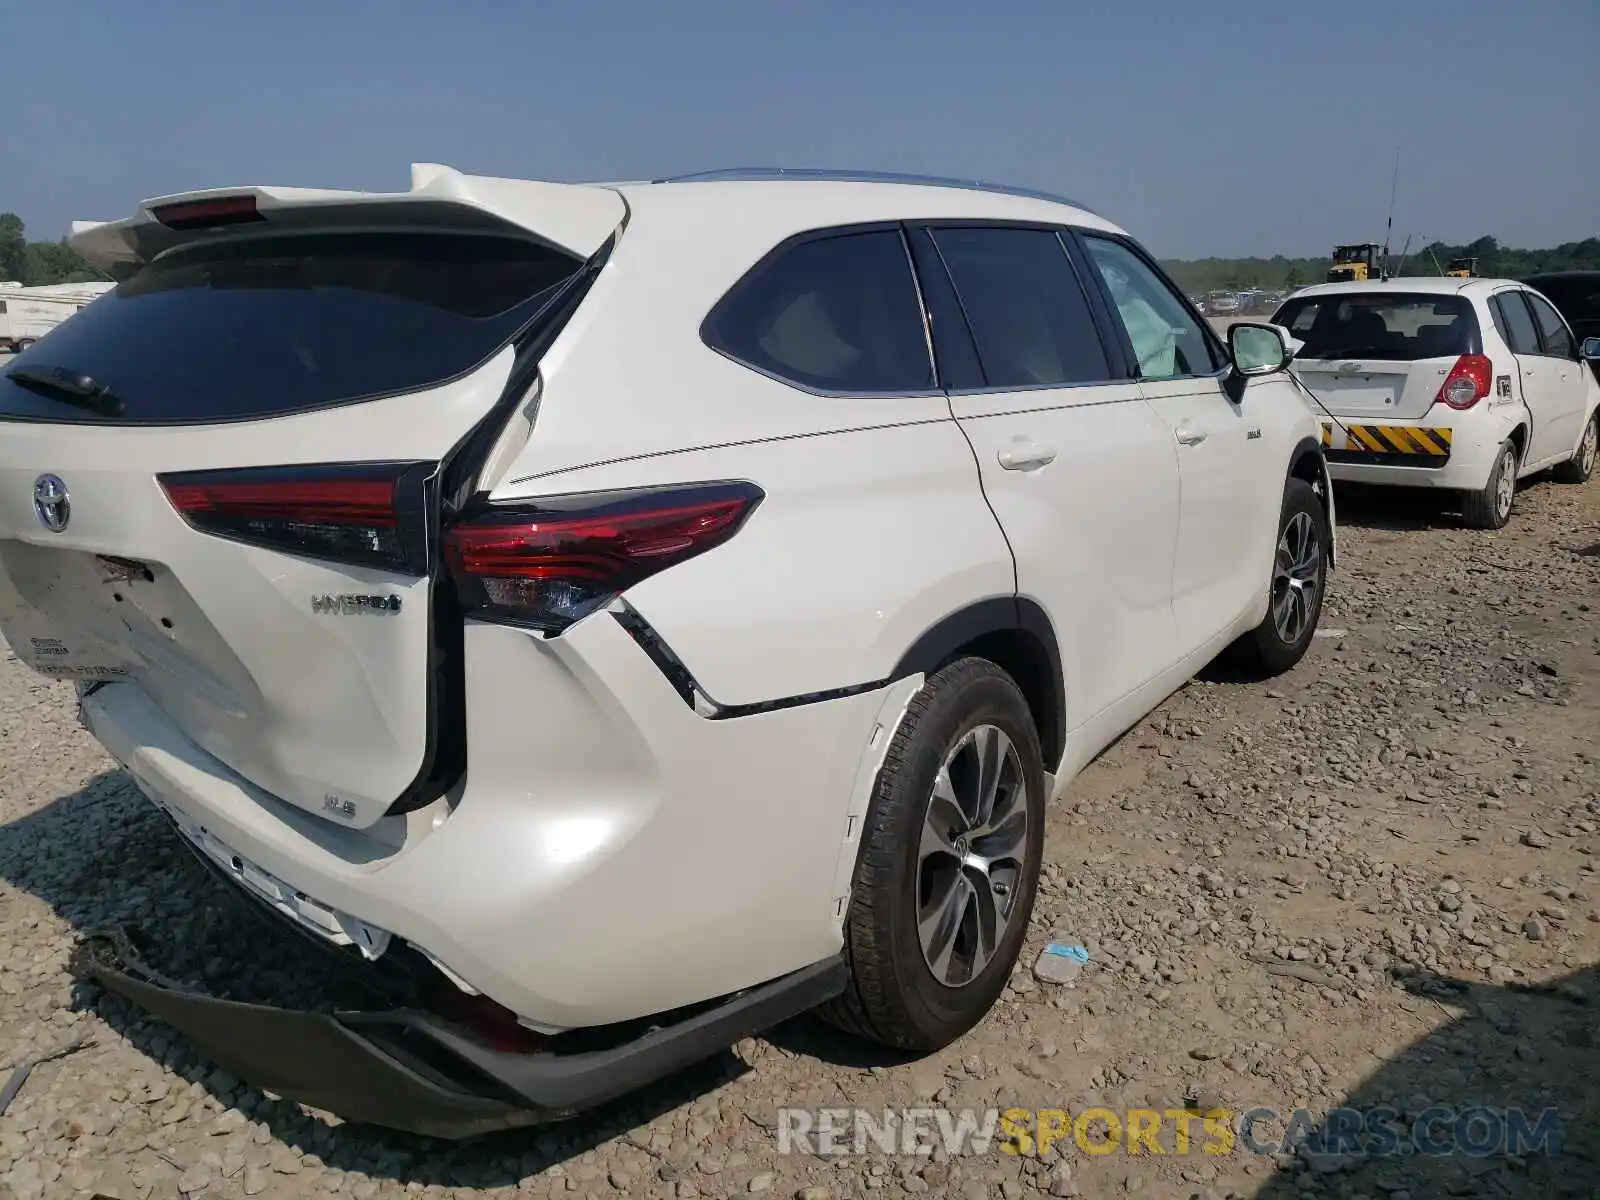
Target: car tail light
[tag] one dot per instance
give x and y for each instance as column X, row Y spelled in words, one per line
column 365, row 514
column 208, row 214
column 1469, row 381
column 549, row 564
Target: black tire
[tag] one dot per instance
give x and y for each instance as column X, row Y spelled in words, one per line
column 1580, row 466
column 21, row 344
column 1275, row 645
column 893, row 996
column 1490, row 508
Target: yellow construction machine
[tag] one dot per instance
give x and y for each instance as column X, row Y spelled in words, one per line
column 1357, row 263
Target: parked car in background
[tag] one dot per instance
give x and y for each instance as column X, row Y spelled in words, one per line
column 28, row 313
column 1576, row 295
column 1222, row 304
column 1446, row 383
column 631, row 615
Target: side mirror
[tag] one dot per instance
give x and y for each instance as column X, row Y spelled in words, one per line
column 1590, row 350
column 1257, row 349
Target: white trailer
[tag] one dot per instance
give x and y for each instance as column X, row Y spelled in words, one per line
column 28, row 313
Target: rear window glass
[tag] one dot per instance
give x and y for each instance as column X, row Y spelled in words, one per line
column 274, row 325
column 1394, row 326
column 833, row 314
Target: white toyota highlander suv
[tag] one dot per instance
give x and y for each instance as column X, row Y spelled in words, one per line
column 633, row 614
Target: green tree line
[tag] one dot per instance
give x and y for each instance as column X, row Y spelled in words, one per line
column 1494, row 261
column 38, row 263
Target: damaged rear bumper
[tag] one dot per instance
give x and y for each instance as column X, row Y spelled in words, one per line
column 410, row 1070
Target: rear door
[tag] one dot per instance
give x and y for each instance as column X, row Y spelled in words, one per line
column 219, row 484
column 1077, row 468
column 1538, row 375
column 1230, row 487
column 1379, row 356
column 1568, row 380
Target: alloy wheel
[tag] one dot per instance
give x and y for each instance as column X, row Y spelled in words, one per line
column 970, row 860
column 1505, row 488
column 1295, row 572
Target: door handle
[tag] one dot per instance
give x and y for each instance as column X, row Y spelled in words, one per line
column 1191, row 437
column 1026, row 455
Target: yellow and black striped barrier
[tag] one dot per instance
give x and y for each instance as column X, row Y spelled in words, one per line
column 1431, row 442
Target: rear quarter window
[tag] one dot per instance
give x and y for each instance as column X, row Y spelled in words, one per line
column 829, row 313
column 1391, row 326
column 268, row 326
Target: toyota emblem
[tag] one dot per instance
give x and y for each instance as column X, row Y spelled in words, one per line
column 51, row 503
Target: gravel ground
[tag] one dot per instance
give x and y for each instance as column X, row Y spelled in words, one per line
column 1369, row 882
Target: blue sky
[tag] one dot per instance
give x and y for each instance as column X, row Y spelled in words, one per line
column 1206, row 128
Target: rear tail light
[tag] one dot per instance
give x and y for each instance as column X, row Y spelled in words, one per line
column 1469, row 381
column 208, row 214
column 549, row 564
column 366, row 514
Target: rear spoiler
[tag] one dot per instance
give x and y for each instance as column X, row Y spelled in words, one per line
column 577, row 218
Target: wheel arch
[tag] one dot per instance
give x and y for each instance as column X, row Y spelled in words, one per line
column 1518, row 437
column 1309, row 464
column 1016, row 634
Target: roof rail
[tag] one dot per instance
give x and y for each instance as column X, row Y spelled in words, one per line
column 749, row 174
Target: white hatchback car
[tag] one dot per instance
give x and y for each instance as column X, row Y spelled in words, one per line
column 1447, row 383
column 633, row 614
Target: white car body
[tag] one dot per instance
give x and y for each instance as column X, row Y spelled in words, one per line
column 661, row 805
column 1540, row 401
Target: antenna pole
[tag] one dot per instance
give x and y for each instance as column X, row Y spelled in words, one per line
column 1405, row 252
column 1394, row 188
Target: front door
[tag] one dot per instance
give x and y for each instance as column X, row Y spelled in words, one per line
column 1219, row 565
column 1569, row 380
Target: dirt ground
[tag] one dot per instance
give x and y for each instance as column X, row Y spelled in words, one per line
column 1369, row 883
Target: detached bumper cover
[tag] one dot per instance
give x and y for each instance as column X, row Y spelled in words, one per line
column 412, row 1071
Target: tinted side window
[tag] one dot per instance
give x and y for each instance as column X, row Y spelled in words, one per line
column 1552, row 329
column 1515, row 325
column 838, row 314
column 1168, row 340
column 1024, row 305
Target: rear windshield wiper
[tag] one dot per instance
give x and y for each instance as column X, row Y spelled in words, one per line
column 72, row 387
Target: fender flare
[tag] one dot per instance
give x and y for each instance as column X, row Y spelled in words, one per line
column 1308, row 455
column 1046, row 689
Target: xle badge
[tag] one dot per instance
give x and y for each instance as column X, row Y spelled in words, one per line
column 350, row 606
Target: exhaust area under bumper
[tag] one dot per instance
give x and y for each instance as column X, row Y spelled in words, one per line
column 411, row 1070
